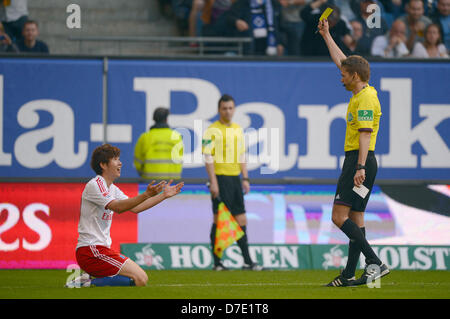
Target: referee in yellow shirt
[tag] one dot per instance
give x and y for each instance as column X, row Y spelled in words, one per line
column 360, row 165
column 223, row 147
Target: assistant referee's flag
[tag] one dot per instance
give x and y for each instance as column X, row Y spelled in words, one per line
column 228, row 230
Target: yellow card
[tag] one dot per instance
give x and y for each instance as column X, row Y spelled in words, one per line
column 325, row 14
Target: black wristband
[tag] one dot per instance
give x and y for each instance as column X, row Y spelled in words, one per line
column 246, row 179
column 359, row 166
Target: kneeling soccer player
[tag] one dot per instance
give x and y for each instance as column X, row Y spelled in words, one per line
column 100, row 199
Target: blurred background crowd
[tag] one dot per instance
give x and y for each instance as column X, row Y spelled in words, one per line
column 381, row 28
column 385, row 28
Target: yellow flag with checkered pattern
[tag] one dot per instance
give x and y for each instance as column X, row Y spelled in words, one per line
column 228, row 230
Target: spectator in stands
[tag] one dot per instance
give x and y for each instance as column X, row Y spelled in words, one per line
column 165, row 8
column 392, row 45
column 393, row 8
column 356, row 34
column 30, row 43
column 432, row 46
column 292, row 25
column 6, row 45
column 181, row 10
column 312, row 44
column 370, row 32
column 194, row 19
column 441, row 17
column 16, row 14
column 260, row 20
column 214, row 21
column 429, row 6
column 214, row 18
column 415, row 22
column 347, row 13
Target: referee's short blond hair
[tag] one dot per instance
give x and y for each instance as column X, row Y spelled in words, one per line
column 357, row 64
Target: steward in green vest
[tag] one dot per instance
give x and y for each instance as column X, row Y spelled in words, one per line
column 158, row 153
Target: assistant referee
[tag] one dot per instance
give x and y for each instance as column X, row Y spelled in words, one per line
column 223, row 147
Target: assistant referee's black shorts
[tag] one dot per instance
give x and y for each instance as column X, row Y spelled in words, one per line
column 230, row 192
column 344, row 191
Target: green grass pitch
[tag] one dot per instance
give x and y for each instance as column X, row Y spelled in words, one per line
column 207, row 284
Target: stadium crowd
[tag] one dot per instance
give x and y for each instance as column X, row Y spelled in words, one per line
column 384, row 28
column 17, row 32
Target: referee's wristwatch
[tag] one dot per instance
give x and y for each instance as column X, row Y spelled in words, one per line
column 246, row 179
column 360, row 166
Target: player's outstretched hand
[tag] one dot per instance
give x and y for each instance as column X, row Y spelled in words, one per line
column 153, row 190
column 323, row 27
column 170, row 191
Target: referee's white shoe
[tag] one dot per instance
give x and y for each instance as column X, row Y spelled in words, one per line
column 372, row 272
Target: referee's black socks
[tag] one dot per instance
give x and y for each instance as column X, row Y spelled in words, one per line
column 353, row 256
column 354, row 233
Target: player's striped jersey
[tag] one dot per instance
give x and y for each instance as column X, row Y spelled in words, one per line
column 363, row 114
column 95, row 220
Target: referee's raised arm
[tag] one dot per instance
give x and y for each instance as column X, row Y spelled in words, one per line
column 335, row 52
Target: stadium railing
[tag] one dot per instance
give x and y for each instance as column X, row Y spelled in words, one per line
column 175, row 45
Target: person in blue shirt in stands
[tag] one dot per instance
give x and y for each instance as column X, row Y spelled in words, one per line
column 30, row 43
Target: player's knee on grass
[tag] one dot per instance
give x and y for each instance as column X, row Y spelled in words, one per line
column 141, row 279
column 133, row 271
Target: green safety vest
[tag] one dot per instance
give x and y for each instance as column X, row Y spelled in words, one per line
column 158, row 154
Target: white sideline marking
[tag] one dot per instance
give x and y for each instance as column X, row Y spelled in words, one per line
column 261, row 284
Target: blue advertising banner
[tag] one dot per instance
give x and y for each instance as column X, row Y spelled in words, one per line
column 293, row 114
column 47, row 110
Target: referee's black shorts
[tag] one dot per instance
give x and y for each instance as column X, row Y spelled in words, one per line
column 344, row 191
column 230, row 192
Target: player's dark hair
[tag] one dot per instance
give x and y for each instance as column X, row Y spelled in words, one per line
column 225, row 98
column 357, row 64
column 103, row 154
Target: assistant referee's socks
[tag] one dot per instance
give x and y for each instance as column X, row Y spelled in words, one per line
column 212, row 237
column 243, row 245
column 354, row 233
